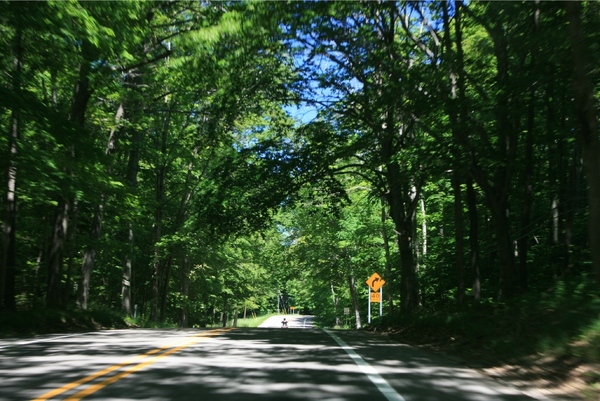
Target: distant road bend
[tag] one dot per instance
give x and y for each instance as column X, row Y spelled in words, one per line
column 236, row 364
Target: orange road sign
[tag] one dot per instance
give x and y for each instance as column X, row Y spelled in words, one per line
column 375, row 297
column 375, row 282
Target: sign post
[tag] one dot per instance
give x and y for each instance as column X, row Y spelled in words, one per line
column 375, row 282
column 369, row 316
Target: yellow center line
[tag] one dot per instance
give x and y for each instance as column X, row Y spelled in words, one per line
column 92, row 389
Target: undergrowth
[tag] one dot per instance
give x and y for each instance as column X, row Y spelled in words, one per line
column 562, row 324
column 42, row 321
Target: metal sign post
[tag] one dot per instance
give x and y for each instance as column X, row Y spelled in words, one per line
column 369, row 305
column 375, row 283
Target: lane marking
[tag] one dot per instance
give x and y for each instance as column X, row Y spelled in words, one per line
column 382, row 385
column 170, row 349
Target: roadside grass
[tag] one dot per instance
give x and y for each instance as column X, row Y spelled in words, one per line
column 253, row 321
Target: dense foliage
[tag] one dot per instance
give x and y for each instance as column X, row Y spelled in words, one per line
column 194, row 161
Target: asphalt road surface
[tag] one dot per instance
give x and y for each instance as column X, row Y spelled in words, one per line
column 235, row 364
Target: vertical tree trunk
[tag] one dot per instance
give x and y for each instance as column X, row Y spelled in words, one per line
column 459, row 238
column 403, row 217
column 126, row 284
column 462, row 119
column 498, row 195
column 587, row 135
column 453, row 113
column 474, row 239
column 161, row 176
column 355, row 306
column 90, row 252
column 131, row 178
column 186, row 266
column 8, row 261
column 335, row 301
column 71, row 251
column 388, row 258
column 57, row 247
column 524, row 237
column 164, row 293
column 81, row 97
column 88, row 256
column 504, row 246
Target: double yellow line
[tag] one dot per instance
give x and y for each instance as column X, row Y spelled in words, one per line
column 162, row 352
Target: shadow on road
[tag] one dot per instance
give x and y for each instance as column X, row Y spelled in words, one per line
column 244, row 364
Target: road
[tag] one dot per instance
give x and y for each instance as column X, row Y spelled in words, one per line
column 235, row 364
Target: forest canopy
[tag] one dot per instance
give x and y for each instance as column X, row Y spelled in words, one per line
column 191, row 161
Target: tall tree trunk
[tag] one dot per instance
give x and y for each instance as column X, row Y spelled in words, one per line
column 81, row 97
column 587, row 135
column 186, row 267
column 504, row 246
column 8, row 261
column 335, row 301
column 453, row 113
column 131, row 178
column 126, row 283
column 496, row 185
column 353, row 295
column 88, row 256
column 462, row 136
column 68, row 293
column 524, row 237
column 55, row 261
column 158, row 218
column 164, row 293
column 404, row 230
column 403, row 217
column 474, row 240
column 459, row 246
column 388, row 257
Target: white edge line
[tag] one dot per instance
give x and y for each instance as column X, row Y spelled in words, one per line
column 382, row 385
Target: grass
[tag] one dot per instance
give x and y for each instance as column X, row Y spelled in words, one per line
column 253, row 321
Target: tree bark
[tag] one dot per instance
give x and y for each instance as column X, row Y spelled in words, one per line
column 453, row 114
column 355, row 306
column 8, row 262
column 587, row 135
column 88, row 257
column 126, row 283
column 474, row 239
column 131, row 178
column 404, row 219
column 81, row 97
column 166, row 279
column 388, row 257
column 186, row 267
column 57, row 247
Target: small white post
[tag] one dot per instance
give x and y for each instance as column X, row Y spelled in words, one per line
column 381, row 301
column 369, row 304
